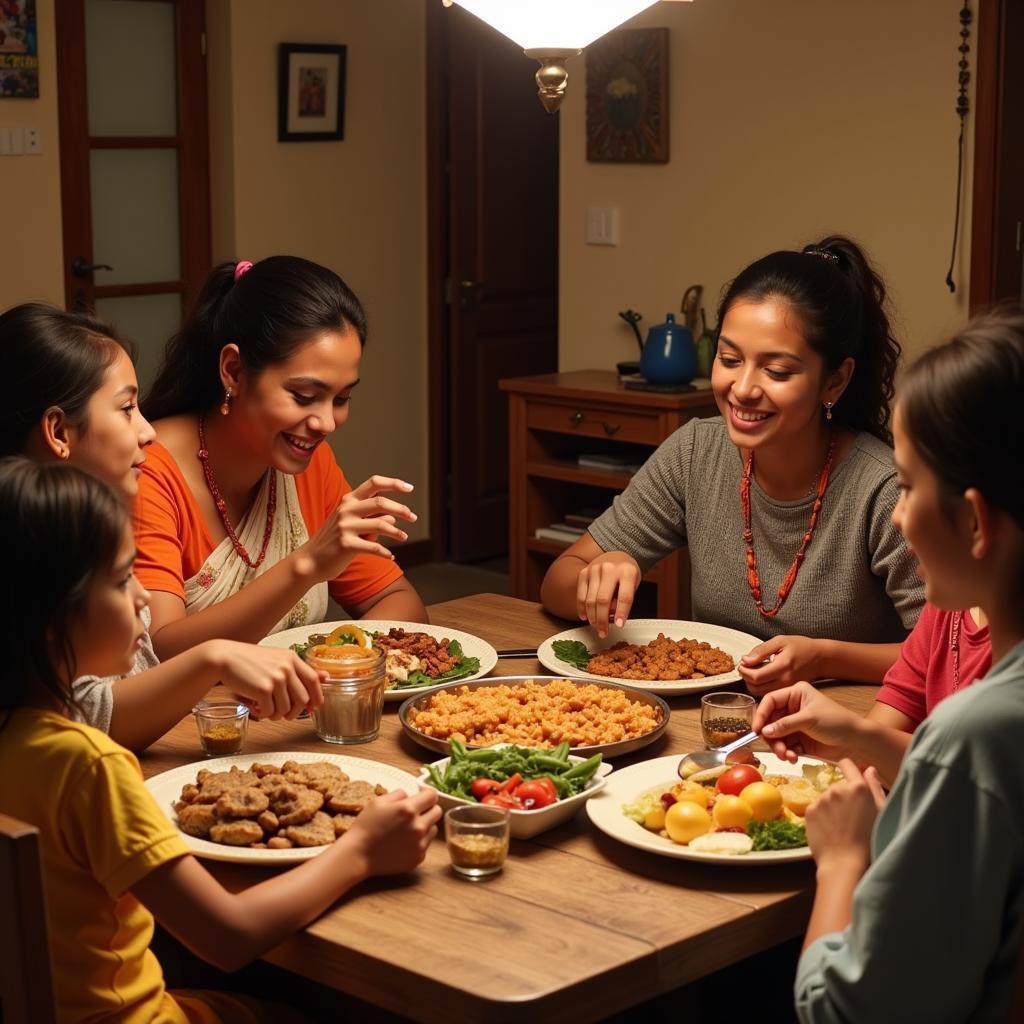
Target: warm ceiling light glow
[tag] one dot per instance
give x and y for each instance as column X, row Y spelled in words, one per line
column 554, row 24
column 551, row 31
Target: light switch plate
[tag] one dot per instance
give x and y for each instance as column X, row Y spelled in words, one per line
column 602, row 225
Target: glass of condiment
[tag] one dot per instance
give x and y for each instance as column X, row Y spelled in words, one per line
column 725, row 717
column 353, row 692
column 222, row 725
column 477, row 838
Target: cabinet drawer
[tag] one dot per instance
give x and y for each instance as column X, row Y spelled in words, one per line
column 594, row 421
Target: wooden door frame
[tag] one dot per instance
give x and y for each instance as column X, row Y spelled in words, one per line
column 193, row 150
column 990, row 118
column 437, row 274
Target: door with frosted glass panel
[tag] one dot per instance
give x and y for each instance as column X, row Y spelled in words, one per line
column 134, row 164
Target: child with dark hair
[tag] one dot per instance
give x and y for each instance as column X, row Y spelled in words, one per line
column 72, row 396
column 939, row 865
column 785, row 500
column 111, row 860
column 245, row 521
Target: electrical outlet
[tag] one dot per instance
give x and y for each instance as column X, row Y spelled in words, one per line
column 33, row 141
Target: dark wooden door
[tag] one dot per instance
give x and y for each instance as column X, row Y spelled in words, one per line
column 134, row 154
column 997, row 234
column 502, row 267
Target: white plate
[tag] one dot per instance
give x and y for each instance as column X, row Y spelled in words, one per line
column 166, row 788
column 627, row 785
column 643, row 631
column 526, row 824
column 472, row 646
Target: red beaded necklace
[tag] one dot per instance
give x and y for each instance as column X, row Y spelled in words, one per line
column 753, row 580
column 222, row 511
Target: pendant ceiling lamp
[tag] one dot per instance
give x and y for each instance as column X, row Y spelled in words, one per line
column 551, row 31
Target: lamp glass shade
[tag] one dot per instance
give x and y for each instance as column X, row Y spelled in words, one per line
column 554, row 24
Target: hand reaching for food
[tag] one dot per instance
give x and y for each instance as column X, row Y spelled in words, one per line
column 393, row 833
column 800, row 720
column 780, row 661
column 353, row 527
column 275, row 683
column 606, row 588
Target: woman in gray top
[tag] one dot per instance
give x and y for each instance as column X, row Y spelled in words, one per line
column 786, row 501
column 68, row 391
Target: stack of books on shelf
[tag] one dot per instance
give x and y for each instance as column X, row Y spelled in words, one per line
column 571, row 528
column 625, row 463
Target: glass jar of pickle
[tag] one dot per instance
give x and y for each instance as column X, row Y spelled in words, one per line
column 353, row 692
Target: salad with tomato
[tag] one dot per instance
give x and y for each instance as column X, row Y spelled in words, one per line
column 518, row 778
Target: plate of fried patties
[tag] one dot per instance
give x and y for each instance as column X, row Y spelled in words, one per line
column 271, row 808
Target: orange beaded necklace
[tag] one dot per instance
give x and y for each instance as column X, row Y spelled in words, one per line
column 753, row 580
column 222, row 508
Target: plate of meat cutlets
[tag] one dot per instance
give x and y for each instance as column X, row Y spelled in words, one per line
column 667, row 656
column 271, row 808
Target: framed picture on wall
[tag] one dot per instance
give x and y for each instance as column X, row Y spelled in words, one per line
column 627, row 97
column 310, row 92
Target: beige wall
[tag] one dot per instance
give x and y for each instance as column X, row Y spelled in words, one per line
column 30, row 265
column 789, row 120
column 358, row 206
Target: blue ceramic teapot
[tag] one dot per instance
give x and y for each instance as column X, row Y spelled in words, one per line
column 670, row 355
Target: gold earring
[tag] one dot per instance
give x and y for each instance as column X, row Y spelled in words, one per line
column 225, row 406
column 828, row 410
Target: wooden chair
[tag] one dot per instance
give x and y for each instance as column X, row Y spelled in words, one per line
column 26, row 978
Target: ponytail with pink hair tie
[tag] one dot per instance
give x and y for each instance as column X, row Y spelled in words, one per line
column 242, row 267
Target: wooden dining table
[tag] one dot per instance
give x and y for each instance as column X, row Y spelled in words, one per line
column 577, row 926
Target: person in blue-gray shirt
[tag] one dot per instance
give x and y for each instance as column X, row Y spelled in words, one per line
column 920, row 896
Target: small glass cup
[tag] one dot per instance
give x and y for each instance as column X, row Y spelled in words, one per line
column 725, row 717
column 477, row 837
column 353, row 692
column 222, row 725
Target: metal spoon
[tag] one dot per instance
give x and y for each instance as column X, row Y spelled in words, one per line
column 702, row 760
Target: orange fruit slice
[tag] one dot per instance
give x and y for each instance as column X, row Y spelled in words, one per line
column 362, row 638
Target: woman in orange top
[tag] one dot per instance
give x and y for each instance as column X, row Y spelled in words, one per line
column 244, row 521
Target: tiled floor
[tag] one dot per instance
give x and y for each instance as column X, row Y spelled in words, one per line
column 444, row 581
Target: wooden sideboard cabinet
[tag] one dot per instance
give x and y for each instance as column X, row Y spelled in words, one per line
column 553, row 419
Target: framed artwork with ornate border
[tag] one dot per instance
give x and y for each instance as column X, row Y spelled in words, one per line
column 627, row 97
column 310, row 92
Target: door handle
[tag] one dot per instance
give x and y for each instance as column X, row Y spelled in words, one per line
column 80, row 267
column 468, row 292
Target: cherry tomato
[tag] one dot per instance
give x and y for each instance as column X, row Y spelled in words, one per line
column 534, row 794
column 481, row 787
column 736, row 779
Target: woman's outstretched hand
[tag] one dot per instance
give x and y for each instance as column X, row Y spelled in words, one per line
column 605, row 590
column 352, row 529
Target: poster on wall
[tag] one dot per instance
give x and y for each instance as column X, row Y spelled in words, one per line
column 19, row 50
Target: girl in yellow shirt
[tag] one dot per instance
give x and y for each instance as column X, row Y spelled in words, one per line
column 111, row 859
